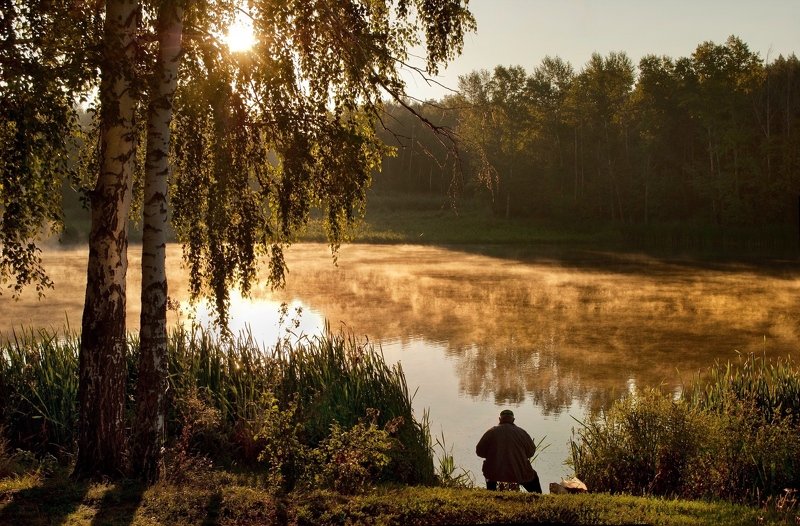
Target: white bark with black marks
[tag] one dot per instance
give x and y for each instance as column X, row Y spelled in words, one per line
column 102, row 363
column 151, row 389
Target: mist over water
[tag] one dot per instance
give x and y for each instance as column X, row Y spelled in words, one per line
column 551, row 337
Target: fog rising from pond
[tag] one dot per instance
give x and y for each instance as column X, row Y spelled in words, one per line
column 553, row 329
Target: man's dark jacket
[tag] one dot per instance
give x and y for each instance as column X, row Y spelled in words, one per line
column 506, row 449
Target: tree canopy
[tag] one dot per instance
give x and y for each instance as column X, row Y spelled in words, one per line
column 710, row 139
column 290, row 122
column 46, row 67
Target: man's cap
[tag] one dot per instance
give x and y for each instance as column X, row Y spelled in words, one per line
column 507, row 412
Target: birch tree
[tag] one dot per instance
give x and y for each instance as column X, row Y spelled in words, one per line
column 265, row 136
column 151, row 385
column 260, row 139
column 102, row 367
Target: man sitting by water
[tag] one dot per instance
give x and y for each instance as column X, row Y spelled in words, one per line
column 507, row 449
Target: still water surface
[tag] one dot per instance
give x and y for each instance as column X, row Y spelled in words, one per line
column 551, row 335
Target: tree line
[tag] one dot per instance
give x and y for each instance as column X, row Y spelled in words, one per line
column 709, row 139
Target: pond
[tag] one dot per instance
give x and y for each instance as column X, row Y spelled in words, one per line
column 551, row 334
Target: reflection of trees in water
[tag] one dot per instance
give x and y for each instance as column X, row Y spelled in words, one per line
column 551, row 334
column 514, row 374
column 550, row 378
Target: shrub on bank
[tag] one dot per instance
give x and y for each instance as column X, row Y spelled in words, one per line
column 643, row 444
column 234, row 403
column 735, row 435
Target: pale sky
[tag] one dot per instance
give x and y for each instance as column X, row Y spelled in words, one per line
column 522, row 32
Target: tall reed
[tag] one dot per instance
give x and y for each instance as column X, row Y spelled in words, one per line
column 773, row 388
column 233, row 372
column 39, row 389
column 734, row 434
column 323, row 380
column 337, row 378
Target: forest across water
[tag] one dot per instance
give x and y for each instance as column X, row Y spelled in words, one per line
column 708, row 139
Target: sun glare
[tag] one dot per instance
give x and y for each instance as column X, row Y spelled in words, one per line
column 240, row 35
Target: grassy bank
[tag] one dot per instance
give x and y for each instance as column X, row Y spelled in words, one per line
column 226, row 499
column 426, row 219
column 437, row 220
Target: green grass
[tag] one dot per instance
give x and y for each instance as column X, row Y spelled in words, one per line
column 425, row 219
column 224, row 498
column 429, row 219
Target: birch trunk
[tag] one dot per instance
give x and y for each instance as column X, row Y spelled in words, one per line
column 151, row 389
column 102, row 365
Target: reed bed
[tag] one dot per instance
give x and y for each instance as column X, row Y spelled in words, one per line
column 223, row 392
column 233, row 372
column 339, row 379
column 772, row 387
column 39, row 389
column 733, row 434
